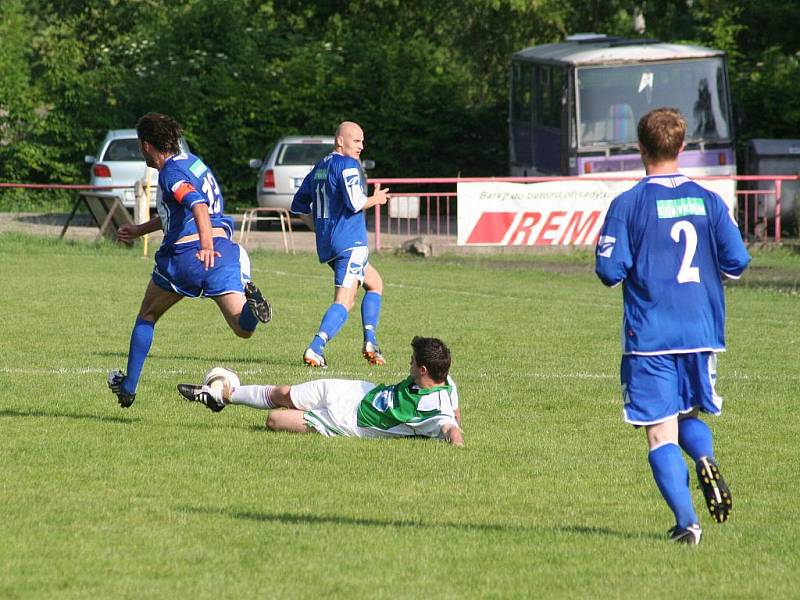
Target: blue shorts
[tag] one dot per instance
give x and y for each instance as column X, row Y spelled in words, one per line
column 657, row 388
column 178, row 270
column 350, row 267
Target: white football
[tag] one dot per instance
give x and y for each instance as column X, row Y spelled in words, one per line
column 217, row 375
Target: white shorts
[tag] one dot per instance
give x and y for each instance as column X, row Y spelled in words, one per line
column 331, row 405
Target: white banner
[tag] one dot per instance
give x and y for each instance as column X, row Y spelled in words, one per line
column 552, row 213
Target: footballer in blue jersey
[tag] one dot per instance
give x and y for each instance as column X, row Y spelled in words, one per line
column 197, row 256
column 669, row 242
column 335, row 194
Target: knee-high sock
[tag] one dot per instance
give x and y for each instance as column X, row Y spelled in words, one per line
column 333, row 320
column 247, row 320
column 254, row 396
column 695, row 438
column 141, row 340
column 370, row 315
column 671, row 474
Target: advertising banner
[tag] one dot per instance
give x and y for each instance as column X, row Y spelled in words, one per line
column 552, row 213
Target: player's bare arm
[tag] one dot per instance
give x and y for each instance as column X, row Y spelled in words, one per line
column 127, row 233
column 379, row 196
column 206, row 253
column 453, row 435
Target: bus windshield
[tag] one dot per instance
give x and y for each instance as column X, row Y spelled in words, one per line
column 612, row 99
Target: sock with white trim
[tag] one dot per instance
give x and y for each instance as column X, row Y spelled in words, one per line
column 370, row 314
column 335, row 317
column 254, row 396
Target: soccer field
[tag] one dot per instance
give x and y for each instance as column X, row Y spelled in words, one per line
column 552, row 497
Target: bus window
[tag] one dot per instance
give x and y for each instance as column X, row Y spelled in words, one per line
column 550, row 96
column 522, row 106
column 522, row 113
column 611, row 97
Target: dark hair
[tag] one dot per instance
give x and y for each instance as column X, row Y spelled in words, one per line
column 432, row 354
column 161, row 131
column 661, row 133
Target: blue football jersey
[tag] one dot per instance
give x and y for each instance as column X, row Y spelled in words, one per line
column 669, row 241
column 184, row 181
column 335, row 192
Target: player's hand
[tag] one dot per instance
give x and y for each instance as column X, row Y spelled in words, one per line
column 206, row 256
column 127, row 233
column 381, row 194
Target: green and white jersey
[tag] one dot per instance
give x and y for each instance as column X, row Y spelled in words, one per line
column 405, row 409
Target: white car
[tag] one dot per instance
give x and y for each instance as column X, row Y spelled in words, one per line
column 282, row 172
column 119, row 162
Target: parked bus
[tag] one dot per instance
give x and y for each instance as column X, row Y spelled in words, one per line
column 574, row 106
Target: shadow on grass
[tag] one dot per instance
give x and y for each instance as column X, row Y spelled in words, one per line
column 50, row 415
column 296, row 519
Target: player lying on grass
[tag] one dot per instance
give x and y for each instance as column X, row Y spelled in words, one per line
column 424, row 404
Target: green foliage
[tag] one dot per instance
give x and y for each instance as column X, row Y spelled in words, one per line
column 428, row 80
column 551, row 497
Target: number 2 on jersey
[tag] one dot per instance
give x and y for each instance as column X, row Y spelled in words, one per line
column 687, row 273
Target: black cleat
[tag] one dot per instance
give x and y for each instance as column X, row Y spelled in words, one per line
column 115, row 379
column 690, row 535
column 260, row 306
column 203, row 394
column 716, row 491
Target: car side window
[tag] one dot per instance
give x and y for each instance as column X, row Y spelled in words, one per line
column 123, row 150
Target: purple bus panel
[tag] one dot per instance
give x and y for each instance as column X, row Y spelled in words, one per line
column 717, row 157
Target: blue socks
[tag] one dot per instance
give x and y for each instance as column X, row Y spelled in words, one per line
column 370, row 314
column 247, row 320
column 333, row 320
column 671, row 475
column 141, row 340
column 695, row 438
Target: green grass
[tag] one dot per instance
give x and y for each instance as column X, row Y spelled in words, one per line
column 552, row 497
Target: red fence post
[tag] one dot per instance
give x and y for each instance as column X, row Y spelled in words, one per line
column 778, row 210
column 377, row 228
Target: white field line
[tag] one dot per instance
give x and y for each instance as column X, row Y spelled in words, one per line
column 428, row 290
column 317, row 374
column 497, row 296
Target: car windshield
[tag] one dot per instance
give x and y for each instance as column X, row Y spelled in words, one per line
column 124, row 149
column 612, row 99
column 302, row 153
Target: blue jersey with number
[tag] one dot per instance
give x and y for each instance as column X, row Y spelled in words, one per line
column 335, row 193
column 183, row 182
column 669, row 241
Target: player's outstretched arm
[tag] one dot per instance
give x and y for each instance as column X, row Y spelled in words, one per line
column 379, row 196
column 453, row 435
column 127, row 233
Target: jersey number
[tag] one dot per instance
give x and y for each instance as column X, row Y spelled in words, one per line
column 211, row 190
column 687, row 273
column 321, row 202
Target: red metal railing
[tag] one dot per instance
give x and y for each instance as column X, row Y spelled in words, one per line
column 759, row 210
